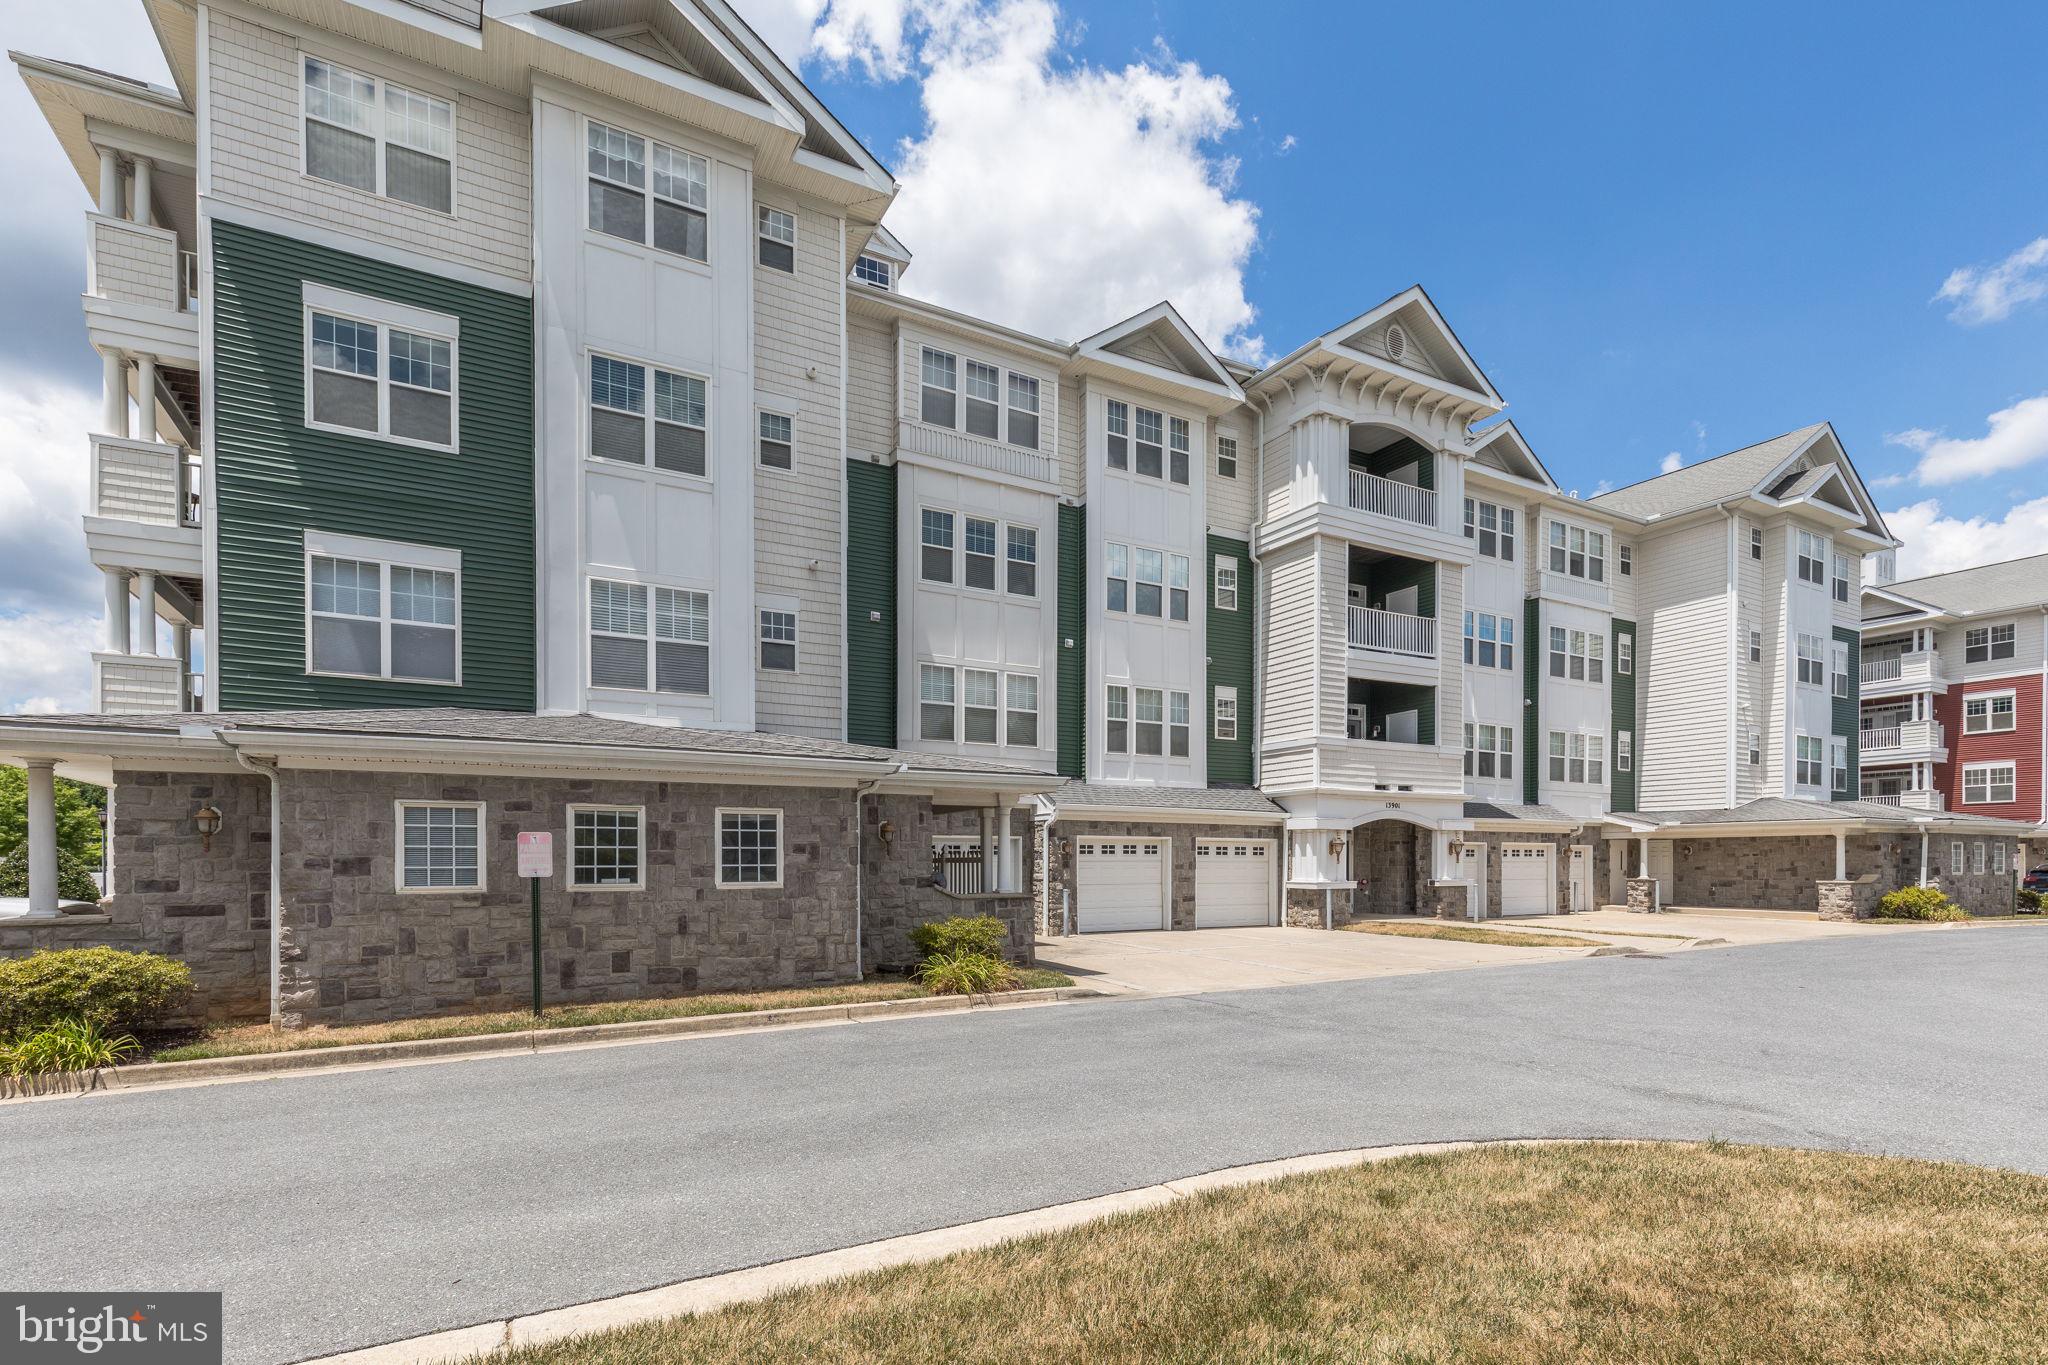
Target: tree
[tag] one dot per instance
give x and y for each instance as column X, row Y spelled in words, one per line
column 78, row 816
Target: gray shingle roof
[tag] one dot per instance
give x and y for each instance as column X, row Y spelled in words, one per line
column 1778, row 810
column 1491, row 810
column 1077, row 796
column 512, row 727
column 1709, row 481
column 1988, row 587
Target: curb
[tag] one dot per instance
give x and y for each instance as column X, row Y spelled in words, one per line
column 711, row 1292
column 150, row 1075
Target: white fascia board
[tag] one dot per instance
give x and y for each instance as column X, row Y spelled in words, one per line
column 34, row 68
column 1490, row 403
column 770, row 110
column 890, row 304
column 1162, row 311
column 1508, row 431
column 1176, row 816
column 412, row 16
column 1217, row 398
column 317, row 748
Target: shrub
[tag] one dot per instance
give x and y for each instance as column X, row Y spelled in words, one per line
column 2029, row 902
column 69, row 1045
column 1925, row 903
column 74, row 878
column 982, row 934
column 966, row 974
column 105, row 987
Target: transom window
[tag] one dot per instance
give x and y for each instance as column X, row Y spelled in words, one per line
column 1489, row 640
column 1982, row 644
column 378, row 378
column 1990, row 784
column 1988, row 713
column 778, row 640
column 1812, row 664
column 998, row 406
column 629, row 645
column 371, row 614
column 1147, row 721
column 1226, row 457
column 647, row 192
column 1145, row 582
column 1225, row 570
column 439, row 846
column 778, row 440
column 776, row 230
column 1578, row 655
column 1578, row 552
column 604, row 847
column 1489, row 751
column 1813, row 558
column 378, row 137
column 675, row 440
column 1808, row 754
column 1491, row 527
column 875, row 271
column 750, row 848
column 1225, row 707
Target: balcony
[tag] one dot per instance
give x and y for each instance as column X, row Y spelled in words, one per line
column 142, row 290
column 139, row 684
column 1905, row 741
column 1919, row 670
column 1909, row 800
column 1380, row 497
column 1393, row 632
column 144, row 506
column 978, row 452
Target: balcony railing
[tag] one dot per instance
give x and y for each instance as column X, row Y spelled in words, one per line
column 1392, row 632
column 1909, row 800
column 188, row 262
column 1391, row 498
column 152, row 482
column 138, row 684
column 1915, row 667
column 134, row 264
column 1912, row 734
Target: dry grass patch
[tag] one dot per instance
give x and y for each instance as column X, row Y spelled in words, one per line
column 1468, row 933
column 249, row 1039
column 1643, row 1252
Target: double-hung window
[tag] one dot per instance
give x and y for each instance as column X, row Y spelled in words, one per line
column 1756, row 747
column 984, row 400
column 1990, row 784
column 675, row 440
column 1956, row 856
column 935, row 702
column 1116, row 577
column 372, row 135
column 380, row 369
column 1225, row 570
column 631, row 645
column 1177, row 579
column 1117, row 422
column 777, row 440
column 1020, row 709
column 1491, row 528
column 381, row 610
column 1180, row 452
column 1756, row 645
column 1150, row 600
column 1023, row 411
column 935, row 561
column 1578, row 655
column 1983, row 644
column 1813, row 564
column 1116, row 720
column 939, row 392
column 1843, row 572
column 1838, row 668
column 978, row 564
column 1151, row 720
column 1624, row 751
column 1554, row 769
column 1489, row 751
column 1577, row 552
column 1812, row 665
column 1625, row 654
column 440, row 846
column 980, row 705
column 648, row 192
column 604, row 847
column 750, row 848
column 1838, row 765
column 1151, row 443
column 1977, row 864
column 1624, row 560
column 1226, row 713
column 1808, row 755
column 778, row 640
column 776, row 231
column 1988, row 713
column 1022, row 578
column 1226, row 457
column 1489, row 643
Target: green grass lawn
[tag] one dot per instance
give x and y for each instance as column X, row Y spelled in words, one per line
column 249, row 1039
column 1471, row 933
column 1502, row 1256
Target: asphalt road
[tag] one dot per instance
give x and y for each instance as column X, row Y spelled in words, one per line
column 348, row 1209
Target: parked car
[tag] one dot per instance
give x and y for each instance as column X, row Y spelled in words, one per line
column 2037, row 881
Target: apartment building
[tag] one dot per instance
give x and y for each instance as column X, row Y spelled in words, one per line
column 516, row 421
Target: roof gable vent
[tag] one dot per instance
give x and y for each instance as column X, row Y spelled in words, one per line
column 1397, row 341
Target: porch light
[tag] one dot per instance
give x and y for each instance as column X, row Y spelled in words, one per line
column 1336, row 844
column 207, row 821
column 887, row 830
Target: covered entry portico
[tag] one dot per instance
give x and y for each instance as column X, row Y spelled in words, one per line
column 1349, row 858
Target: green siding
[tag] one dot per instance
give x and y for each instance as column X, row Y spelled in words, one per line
column 1622, row 690
column 1848, row 712
column 275, row 479
column 871, row 591
column 1532, row 698
column 1401, row 453
column 1230, row 664
column 1394, row 573
column 1381, row 699
column 1073, row 624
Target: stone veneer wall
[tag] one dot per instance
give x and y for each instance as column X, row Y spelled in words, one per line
column 1181, row 838
column 898, row 890
column 206, row 906
column 1560, row 866
column 1788, row 873
column 1986, row 893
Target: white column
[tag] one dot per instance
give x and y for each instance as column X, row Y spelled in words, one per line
column 1923, row 857
column 145, row 616
column 1841, row 856
column 988, row 850
column 181, row 650
column 42, row 837
column 117, row 612
column 110, row 182
column 138, row 208
column 114, row 393
column 1643, row 870
column 145, row 402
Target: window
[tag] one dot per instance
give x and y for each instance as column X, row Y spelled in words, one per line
column 1625, row 654
column 1578, row 655
column 776, row 231
column 940, row 389
column 750, row 848
column 1624, row 751
column 778, row 641
column 1116, row 732
column 380, row 610
column 1977, row 863
column 1558, row 559
column 1507, row 642
column 1813, row 566
column 1756, row 645
column 1489, row 647
column 1838, row 765
column 674, row 441
column 344, row 131
column 1756, row 542
column 1492, row 643
column 624, row 653
column 936, row 563
column 1989, row 784
column 1756, row 747
column 1578, row 758
column 1811, row 665
column 777, row 434
column 604, row 847
column 1226, row 713
column 1023, row 575
column 1578, row 552
column 1020, row 714
column 1150, row 598
column 935, row 700
column 1989, row 712
column 1489, row 751
column 1225, row 571
column 1955, row 858
column 875, row 271
column 1024, row 411
column 1179, row 449
column 1177, row 725
column 1557, row 756
column 1982, row 644
column 1838, row 667
column 1117, row 448
column 1560, row 650
column 984, row 399
column 1807, row 765
column 1151, row 720
column 1842, row 575
column 408, row 397
column 1151, row 445
column 1998, row 857
column 1177, row 587
column 624, row 167
column 980, row 705
column 1492, row 528
column 1624, row 560
column 1226, row 457
column 979, row 563
column 439, row 846
column 1117, row 576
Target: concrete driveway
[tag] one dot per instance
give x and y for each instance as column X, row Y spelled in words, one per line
column 1183, row 962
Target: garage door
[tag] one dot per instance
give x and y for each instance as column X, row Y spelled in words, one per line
column 1233, row 882
column 1122, row 884
column 1528, row 883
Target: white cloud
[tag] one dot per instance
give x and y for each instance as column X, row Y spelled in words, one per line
column 1935, row 543
column 1981, row 293
column 46, row 662
column 785, row 25
column 50, row 598
column 2016, row 436
column 1052, row 194
column 1672, row 463
column 1289, row 143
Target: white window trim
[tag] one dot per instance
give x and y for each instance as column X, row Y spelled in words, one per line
column 1819, row 656
column 960, row 669
column 647, row 468
column 387, row 555
column 384, row 315
column 483, row 862
column 1605, row 557
column 762, row 234
column 760, row 411
column 1221, row 565
column 1821, row 762
column 787, row 606
column 888, row 271
column 449, row 214
column 1223, row 694
column 2004, row 764
column 1823, row 556
column 1167, row 417
column 1166, row 589
column 647, row 194
column 1514, row 538
column 1989, row 644
column 958, row 582
column 639, row 882
column 1048, row 395
column 1987, row 698
column 718, row 848
column 704, row 698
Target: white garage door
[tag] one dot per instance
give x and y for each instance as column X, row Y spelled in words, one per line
column 1233, row 882
column 1528, row 883
column 1122, row 884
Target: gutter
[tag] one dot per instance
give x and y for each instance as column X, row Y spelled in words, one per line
column 268, row 768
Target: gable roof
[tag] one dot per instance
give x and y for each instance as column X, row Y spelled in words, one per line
column 2004, row 586
column 1442, row 362
column 1158, row 341
column 1503, row 448
column 1710, row 481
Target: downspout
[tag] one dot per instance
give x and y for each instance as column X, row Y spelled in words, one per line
column 268, row 768
column 1258, row 602
column 860, row 863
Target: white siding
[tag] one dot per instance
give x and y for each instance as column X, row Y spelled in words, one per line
column 1289, row 585
column 1333, row 633
column 1682, row 656
column 871, row 392
column 1231, row 500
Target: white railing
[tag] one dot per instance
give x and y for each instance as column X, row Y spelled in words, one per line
column 1386, row 765
column 1878, row 740
column 1883, row 670
column 978, row 452
column 1909, row 800
column 1912, row 668
column 1391, row 498
column 137, row 684
column 1392, row 632
column 130, row 263
column 189, row 272
column 1910, row 734
column 152, row 482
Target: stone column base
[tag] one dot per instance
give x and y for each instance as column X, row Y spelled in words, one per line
column 1453, row 900
column 1642, row 893
column 1849, row 900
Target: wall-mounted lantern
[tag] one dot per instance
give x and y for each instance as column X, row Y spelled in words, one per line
column 207, row 821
